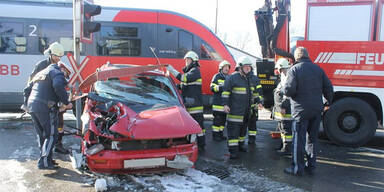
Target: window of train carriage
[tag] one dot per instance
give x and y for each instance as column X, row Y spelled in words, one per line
column 57, row 31
column 185, row 43
column 119, row 41
column 207, row 52
column 12, row 39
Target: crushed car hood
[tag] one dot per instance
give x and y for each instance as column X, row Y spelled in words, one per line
column 172, row 122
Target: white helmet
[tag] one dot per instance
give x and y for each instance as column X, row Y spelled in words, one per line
column 282, row 63
column 192, row 55
column 224, row 63
column 243, row 60
column 56, row 49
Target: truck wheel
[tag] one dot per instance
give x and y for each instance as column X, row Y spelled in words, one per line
column 350, row 122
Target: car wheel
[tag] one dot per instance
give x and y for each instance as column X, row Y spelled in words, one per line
column 350, row 122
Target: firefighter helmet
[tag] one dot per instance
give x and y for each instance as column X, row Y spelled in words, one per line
column 65, row 67
column 243, row 60
column 282, row 63
column 56, row 49
column 192, row 55
column 224, row 63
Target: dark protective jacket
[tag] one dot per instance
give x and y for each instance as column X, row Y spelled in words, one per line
column 306, row 84
column 39, row 67
column 48, row 89
column 240, row 94
column 281, row 102
column 191, row 88
column 217, row 85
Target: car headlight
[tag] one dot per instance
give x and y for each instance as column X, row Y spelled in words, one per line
column 192, row 138
column 94, row 149
column 115, row 145
column 85, row 120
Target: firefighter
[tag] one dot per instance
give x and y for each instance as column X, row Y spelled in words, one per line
column 54, row 52
column 219, row 115
column 191, row 91
column 48, row 89
column 254, row 116
column 306, row 85
column 282, row 109
column 241, row 96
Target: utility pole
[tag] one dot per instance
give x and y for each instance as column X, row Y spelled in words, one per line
column 76, row 53
column 217, row 10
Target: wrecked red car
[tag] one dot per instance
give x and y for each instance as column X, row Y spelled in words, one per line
column 134, row 121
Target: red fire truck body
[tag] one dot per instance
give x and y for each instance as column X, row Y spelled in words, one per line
column 345, row 38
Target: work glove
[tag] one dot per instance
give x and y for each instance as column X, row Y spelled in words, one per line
column 172, row 70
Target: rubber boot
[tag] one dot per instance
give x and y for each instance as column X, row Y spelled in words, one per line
column 233, row 152
column 215, row 136
column 218, row 136
column 279, row 147
column 286, row 149
column 201, row 142
column 251, row 140
column 221, row 136
column 242, row 147
column 59, row 148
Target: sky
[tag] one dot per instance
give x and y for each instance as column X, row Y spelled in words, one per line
column 236, row 24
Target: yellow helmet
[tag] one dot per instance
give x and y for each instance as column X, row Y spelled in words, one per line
column 192, row 55
column 56, row 49
column 224, row 63
column 243, row 60
column 282, row 63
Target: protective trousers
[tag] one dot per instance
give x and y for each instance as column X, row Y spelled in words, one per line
column 285, row 128
column 45, row 125
column 305, row 142
column 250, row 120
column 199, row 117
column 218, row 124
column 236, row 130
column 60, row 128
column 236, row 135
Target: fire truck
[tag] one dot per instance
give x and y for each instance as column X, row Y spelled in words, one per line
column 345, row 38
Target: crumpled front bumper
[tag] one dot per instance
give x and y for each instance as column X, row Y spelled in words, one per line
column 112, row 161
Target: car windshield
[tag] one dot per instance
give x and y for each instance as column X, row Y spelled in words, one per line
column 139, row 92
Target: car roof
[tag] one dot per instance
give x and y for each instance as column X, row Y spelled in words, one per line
column 110, row 66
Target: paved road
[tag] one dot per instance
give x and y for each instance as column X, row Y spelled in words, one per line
column 339, row 168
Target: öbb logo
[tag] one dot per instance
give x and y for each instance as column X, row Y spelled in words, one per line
column 9, row 70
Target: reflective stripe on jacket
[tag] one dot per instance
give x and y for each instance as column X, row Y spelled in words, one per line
column 191, row 88
column 281, row 102
column 239, row 93
column 216, row 86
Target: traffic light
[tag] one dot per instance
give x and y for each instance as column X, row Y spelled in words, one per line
column 88, row 25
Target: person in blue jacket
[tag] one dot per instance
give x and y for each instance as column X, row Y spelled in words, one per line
column 306, row 85
column 54, row 53
column 47, row 91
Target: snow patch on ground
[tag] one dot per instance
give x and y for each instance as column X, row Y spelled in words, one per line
column 253, row 182
column 189, row 180
column 25, row 153
column 181, row 181
column 11, row 178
